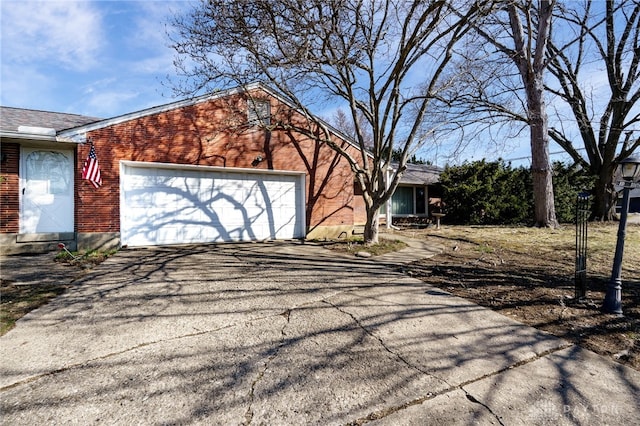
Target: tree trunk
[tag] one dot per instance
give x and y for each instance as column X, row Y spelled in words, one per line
column 543, row 199
column 371, row 227
column 531, row 65
column 604, row 198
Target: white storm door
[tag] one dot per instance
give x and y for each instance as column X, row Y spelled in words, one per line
column 46, row 186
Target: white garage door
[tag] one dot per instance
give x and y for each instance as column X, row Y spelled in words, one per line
column 171, row 204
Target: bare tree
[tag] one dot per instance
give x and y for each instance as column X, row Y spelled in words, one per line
column 592, row 84
column 520, row 31
column 379, row 59
column 344, row 123
column 602, row 117
column 529, row 54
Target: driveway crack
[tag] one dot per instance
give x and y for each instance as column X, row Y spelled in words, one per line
column 476, row 401
column 72, row 366
column 390, row 410
column 248, row 415
column 395, row 354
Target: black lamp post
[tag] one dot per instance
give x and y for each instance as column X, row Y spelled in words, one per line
column 630, row 171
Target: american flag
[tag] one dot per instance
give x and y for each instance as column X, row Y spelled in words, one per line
column 91, row 169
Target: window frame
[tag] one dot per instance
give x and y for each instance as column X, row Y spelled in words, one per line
column 414, row 202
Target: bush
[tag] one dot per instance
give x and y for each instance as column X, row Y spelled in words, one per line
column 487, row 193
column 568, row 182
column 495, row 193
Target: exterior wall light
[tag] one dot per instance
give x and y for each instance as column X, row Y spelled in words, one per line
column 257, row 160
column 630, row 172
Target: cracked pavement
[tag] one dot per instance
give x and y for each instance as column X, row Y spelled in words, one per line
column 289, row 333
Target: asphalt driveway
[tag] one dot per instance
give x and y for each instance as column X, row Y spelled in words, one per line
column 289, row 333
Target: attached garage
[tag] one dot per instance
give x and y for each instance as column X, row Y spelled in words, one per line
column 197, row 170
column 176, row 204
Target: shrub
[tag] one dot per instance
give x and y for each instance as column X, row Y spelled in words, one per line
column 487, row 193
column 568, row 182
column 495, row 193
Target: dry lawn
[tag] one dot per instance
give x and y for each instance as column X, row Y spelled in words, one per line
column 528, row 274
column 17, row 300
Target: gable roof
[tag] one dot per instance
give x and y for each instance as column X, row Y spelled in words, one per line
column 20, row 119
column 65, row 127
column 77, row 133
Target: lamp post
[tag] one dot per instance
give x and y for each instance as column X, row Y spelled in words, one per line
column 630, row 170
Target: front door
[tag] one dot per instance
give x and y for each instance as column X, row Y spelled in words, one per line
column 46, row 186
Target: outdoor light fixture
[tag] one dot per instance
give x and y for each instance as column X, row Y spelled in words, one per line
column 257, row 160
column 630, row 169
column 630, row 172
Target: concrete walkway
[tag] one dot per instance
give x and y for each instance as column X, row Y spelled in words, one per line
column 289, row 333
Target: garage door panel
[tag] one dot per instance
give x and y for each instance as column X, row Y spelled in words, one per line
column 170, row 206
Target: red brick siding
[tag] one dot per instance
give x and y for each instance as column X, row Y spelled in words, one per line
column 359, row 210
column 97, row 209
column 212, row 133
column 10, row 189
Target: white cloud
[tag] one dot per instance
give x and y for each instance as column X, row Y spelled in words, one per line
column 108, row 103
column 151, row 25
column 98, row 58
column 156, row 65
column 63, row 32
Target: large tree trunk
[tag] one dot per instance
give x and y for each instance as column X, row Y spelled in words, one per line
column 531, row 65
column 371, row 227
column 543, row 198
column 604, row 198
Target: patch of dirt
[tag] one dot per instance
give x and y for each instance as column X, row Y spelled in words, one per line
column 537, row 289
column 18, row 300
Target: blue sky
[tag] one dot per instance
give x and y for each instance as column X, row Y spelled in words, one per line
column 105, row 58
column 97, row 58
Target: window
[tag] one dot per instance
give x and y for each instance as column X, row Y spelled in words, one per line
column 402, row 201
column 259, row 112
column 50, row 170
column 408, row 200
column 357, row 189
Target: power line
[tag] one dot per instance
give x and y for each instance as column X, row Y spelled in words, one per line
column 551, row 153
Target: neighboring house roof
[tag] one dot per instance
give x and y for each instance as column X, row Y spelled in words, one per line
column 21, row 120
column 420, row 174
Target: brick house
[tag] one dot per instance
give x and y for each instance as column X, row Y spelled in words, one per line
column 208, row 169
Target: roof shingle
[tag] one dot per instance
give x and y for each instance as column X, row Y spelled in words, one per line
column 11, row 118
column 421, row 174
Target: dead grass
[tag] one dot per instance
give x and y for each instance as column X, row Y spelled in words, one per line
column 355, row 245
column 601, row 239
column 19, row 300
column 85, row 259
column 528, row 274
